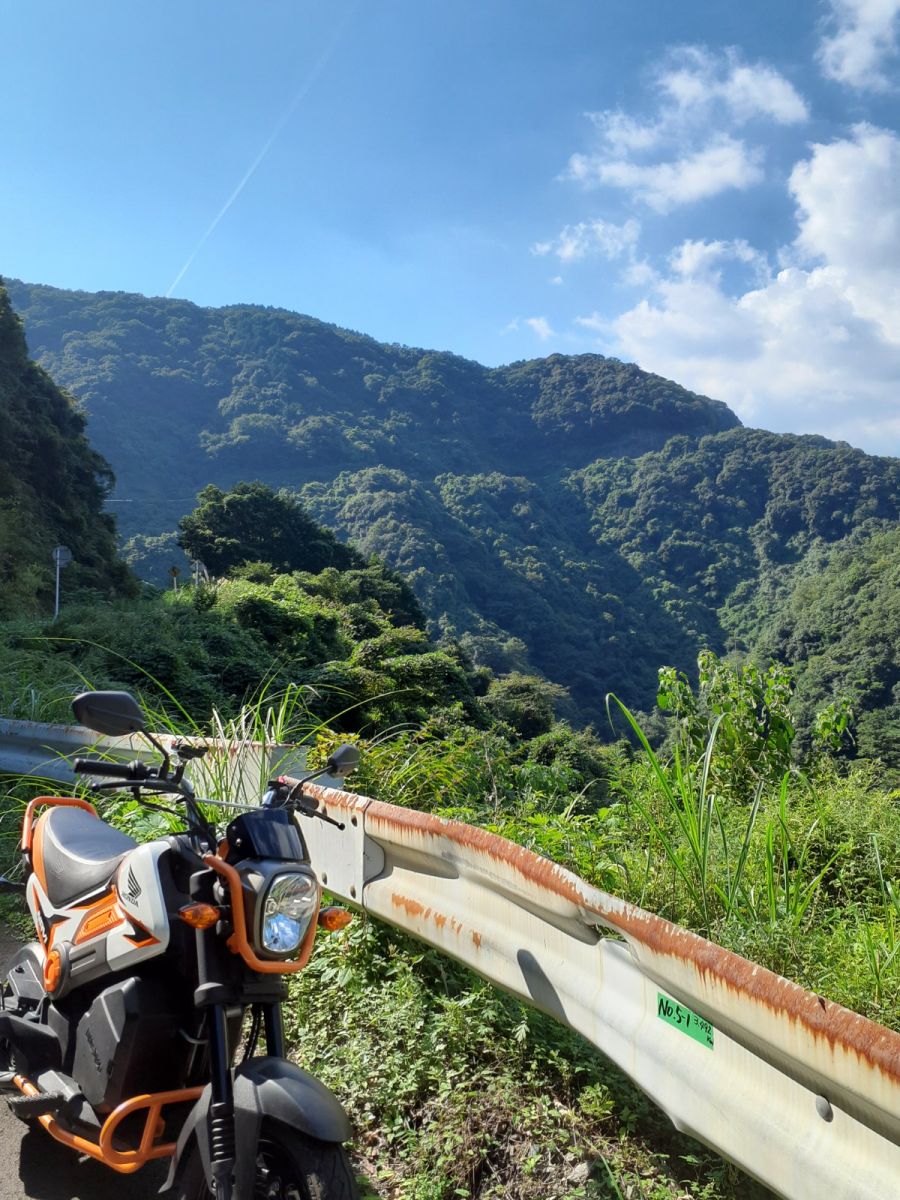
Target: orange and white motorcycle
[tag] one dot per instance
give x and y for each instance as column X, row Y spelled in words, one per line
column 122, row 1023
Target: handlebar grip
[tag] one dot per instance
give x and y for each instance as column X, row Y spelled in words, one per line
column 112, row 770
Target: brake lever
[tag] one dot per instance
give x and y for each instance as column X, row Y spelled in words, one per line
column 314, row 812
column 164, row 786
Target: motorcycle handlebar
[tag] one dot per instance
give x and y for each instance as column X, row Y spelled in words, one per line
column 111, row 770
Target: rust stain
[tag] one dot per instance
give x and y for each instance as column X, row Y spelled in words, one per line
column 838, row 1026
column 419, row 912
column 412, row 908
column 476, row 938
column 835, row 1024
column 349, row 801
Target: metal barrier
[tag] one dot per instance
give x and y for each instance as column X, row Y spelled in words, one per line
column 801, row 1093
column 240, row 767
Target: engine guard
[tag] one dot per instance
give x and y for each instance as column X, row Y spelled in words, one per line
column 264, row 1088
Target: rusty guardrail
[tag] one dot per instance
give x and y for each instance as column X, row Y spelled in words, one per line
column 801, row 1093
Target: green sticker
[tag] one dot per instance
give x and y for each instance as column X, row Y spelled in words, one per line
column 682, row 1018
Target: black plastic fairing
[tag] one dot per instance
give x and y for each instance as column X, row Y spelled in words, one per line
column 128, row 1043
column 265, row 833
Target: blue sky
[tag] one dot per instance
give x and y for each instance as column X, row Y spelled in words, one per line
column 709, row 188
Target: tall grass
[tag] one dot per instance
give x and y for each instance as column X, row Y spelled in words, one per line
column 735, row 863
column 880, row 935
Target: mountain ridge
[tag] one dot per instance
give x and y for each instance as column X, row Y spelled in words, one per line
column 572, row 515
column 368, row 403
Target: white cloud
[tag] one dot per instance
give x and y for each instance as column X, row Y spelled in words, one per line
column 686, row 150
column 813, row 347
column 595, row 322
column 700, row 259
column 723, row 164
column 599, row 237
column 541, row 326
column 639, row 274
column 622, row 134
column 848, row 199
column 698, row 80
column 864, row 38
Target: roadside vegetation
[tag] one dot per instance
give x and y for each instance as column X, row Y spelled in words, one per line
column 456, row 1090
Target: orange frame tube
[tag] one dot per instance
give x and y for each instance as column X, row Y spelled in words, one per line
column 239, row 943
column 126, row 1162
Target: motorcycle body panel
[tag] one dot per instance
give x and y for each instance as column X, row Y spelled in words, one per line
column 112, row 926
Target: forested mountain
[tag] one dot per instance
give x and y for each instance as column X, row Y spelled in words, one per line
column 574, row 515
column 52, row 485
column 840, row 625
column 213, row 395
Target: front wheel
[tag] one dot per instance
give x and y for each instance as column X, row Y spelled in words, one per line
column 289, row 1166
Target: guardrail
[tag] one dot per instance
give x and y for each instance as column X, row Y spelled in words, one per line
column 801, row 1093
column 240, row 767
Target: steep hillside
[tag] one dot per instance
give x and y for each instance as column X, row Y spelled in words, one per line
column 840, row 623
column 574, row 515
column 215, row 395
column 52, row 485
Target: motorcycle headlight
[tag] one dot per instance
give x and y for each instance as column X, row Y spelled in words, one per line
column 288, row 907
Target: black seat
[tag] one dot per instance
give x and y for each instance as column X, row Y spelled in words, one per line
column 80, row 852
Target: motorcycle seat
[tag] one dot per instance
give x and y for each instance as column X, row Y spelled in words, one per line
column 77, row 851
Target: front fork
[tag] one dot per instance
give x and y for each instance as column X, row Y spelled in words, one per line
column 221, row 1108
column 218, row 990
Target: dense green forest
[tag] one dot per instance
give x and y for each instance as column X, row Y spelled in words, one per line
column 571, row 517
column 455, row 1090
column 52, row 485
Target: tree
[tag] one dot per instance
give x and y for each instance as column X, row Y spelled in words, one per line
column 525, row 702
column 252, row 523
column 747, row 706
column 52, row 486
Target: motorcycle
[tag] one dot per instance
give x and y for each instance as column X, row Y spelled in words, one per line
column 130, row 1028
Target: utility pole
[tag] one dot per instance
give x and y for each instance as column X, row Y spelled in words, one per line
column 62, row 556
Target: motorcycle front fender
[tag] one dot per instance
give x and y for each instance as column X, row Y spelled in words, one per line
column 269, row 1089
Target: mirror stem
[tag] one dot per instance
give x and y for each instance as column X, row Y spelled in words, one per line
column 164, row 769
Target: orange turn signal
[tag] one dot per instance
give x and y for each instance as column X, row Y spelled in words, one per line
column 200, row 916
column 334, row 918
column 52, row 971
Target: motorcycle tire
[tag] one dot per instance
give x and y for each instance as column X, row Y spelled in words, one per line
column 289, row 1166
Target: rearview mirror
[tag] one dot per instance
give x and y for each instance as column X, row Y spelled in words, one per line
column 115, row 714
column 343, row 761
